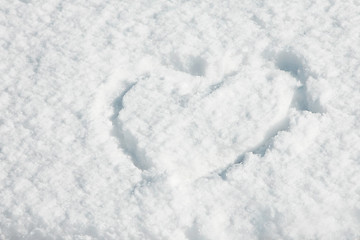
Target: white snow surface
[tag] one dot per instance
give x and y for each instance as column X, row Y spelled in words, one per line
column 174, row 119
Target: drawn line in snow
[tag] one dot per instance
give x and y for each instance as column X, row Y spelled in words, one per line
column 262, row 147
column 126, row 140
column 291, row 63
column 193, row 65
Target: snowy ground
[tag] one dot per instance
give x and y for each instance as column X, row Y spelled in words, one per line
column 174, row 119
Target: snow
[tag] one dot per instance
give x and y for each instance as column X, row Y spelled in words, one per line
column 172, row 119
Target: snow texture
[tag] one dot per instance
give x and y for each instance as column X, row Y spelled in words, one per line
column 173, row 119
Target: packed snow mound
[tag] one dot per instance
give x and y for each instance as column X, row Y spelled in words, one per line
column 179, row 119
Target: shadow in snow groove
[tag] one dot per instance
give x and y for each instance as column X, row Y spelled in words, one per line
column 262, row 147
column 126, row 140
column 291, row 63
